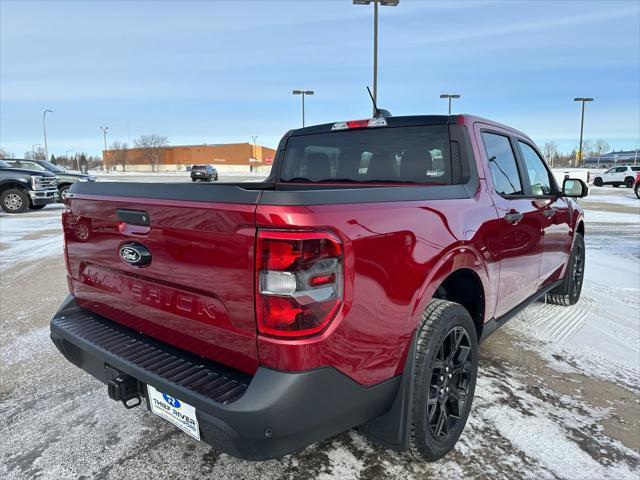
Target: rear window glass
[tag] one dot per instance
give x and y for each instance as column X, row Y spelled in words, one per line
column 400, row 154
column 635, row 169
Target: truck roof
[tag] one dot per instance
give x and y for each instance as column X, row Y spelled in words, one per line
column 413, row 120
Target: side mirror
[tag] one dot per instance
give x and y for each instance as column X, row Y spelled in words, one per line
column 574, row 187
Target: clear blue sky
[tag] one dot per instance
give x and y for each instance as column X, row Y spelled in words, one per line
column 215, row 72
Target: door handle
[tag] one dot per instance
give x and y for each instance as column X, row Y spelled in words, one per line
column 513, row 217
column 549, row 212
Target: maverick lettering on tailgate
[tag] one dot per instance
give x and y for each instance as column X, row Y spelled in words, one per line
column 167, row 298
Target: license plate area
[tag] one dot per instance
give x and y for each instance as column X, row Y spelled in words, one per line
column 175, row 411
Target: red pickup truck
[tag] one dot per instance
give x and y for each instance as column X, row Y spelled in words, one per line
column 351, row 288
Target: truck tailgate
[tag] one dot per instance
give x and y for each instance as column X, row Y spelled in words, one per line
column 197, row 292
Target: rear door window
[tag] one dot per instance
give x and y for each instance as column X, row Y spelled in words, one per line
column 502, row 163
column 420, row 154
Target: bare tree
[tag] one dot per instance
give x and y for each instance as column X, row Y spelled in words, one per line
column 5, row 154
column 600, row 147
column 550, row 150
column 151, row 146
column 36, row 154
column 120, row 152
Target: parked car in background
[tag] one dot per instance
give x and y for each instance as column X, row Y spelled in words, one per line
column 616, row 176
column 203, row 172
column 21, row 189
column 636, row 185
column 351, row 288
column 64, row 177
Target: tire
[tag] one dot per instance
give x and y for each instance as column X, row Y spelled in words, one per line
column 637, row 190
column 443, row 384
column 14, row 200
column 568, row 293
column 63, row 191
column 36, row 207
column 628, row 182
column 597, row 182
column 193, row 179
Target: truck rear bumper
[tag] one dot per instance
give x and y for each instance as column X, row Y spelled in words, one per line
column 255, row 418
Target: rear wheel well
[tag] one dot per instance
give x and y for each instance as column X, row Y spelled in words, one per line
column 464, row 287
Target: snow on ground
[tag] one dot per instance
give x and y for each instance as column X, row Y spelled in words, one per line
column 30, row 236
column 601, row 334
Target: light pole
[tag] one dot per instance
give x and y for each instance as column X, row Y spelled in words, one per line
column 33, row 150
column 303, row 93
column 44, row 128
column 104, row 134
column 253, row 141
column 449, row 96
column 385, row 3
column 583, row 100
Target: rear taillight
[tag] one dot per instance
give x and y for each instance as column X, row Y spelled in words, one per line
column 299, row 282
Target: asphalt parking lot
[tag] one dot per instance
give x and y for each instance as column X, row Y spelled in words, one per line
column 557, row 397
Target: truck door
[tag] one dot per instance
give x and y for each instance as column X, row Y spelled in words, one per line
column 553, row 210
column 520, row 221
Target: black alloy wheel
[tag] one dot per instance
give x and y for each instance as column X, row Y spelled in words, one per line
column 444, row 379
column 577, row 271
column 568, row 292
column 450, row 380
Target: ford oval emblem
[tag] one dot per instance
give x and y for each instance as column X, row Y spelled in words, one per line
column 135, row 254
column 174, row 402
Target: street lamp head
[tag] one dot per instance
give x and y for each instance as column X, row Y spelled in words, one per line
column 386, row 3
column 297, row 92
column 47, row 110
column 449, row 95
column 583, row 99
column 308, row 92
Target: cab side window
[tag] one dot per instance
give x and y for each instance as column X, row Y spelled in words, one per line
column 502, row 163
column 539, row 177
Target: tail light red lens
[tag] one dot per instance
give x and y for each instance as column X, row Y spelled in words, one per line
column 299, row 282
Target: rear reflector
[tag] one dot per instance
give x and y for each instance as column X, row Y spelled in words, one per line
column 351, row 124
column 299, row 282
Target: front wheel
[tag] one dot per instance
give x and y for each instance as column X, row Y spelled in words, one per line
column 568, row 293
column 14, row 200
column 597, row 182
column 444, row 379
column 63, row 193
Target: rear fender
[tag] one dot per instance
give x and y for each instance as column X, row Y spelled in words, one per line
column 455, row 259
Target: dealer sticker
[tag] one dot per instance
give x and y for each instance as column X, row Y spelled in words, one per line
column 181, row 414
